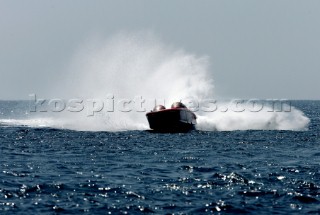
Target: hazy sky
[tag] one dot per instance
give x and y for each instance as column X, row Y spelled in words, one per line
column 257, row 49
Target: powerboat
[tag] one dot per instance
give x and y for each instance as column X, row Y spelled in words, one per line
column 178, row 118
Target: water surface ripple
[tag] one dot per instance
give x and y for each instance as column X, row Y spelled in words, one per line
column 47, row 171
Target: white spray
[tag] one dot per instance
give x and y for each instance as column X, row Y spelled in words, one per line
column 131, row 65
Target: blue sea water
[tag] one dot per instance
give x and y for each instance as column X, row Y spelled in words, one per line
column 60, row 171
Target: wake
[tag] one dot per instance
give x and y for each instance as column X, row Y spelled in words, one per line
column 128, row 65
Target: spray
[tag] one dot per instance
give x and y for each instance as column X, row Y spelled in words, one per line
column 130, row 73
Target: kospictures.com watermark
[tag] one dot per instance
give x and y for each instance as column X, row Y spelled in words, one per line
column 139, row 104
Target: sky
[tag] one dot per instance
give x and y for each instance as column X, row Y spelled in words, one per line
column 257, row 49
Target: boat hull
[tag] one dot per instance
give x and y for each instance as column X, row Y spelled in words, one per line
column 172, row 120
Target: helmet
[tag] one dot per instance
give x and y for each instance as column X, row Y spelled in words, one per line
column 159, row 107
column 178, row 105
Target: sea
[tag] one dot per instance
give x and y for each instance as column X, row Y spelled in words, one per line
column 81, row 144
column 46, row 168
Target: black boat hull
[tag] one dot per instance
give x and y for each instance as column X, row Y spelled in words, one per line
column 172, row 120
